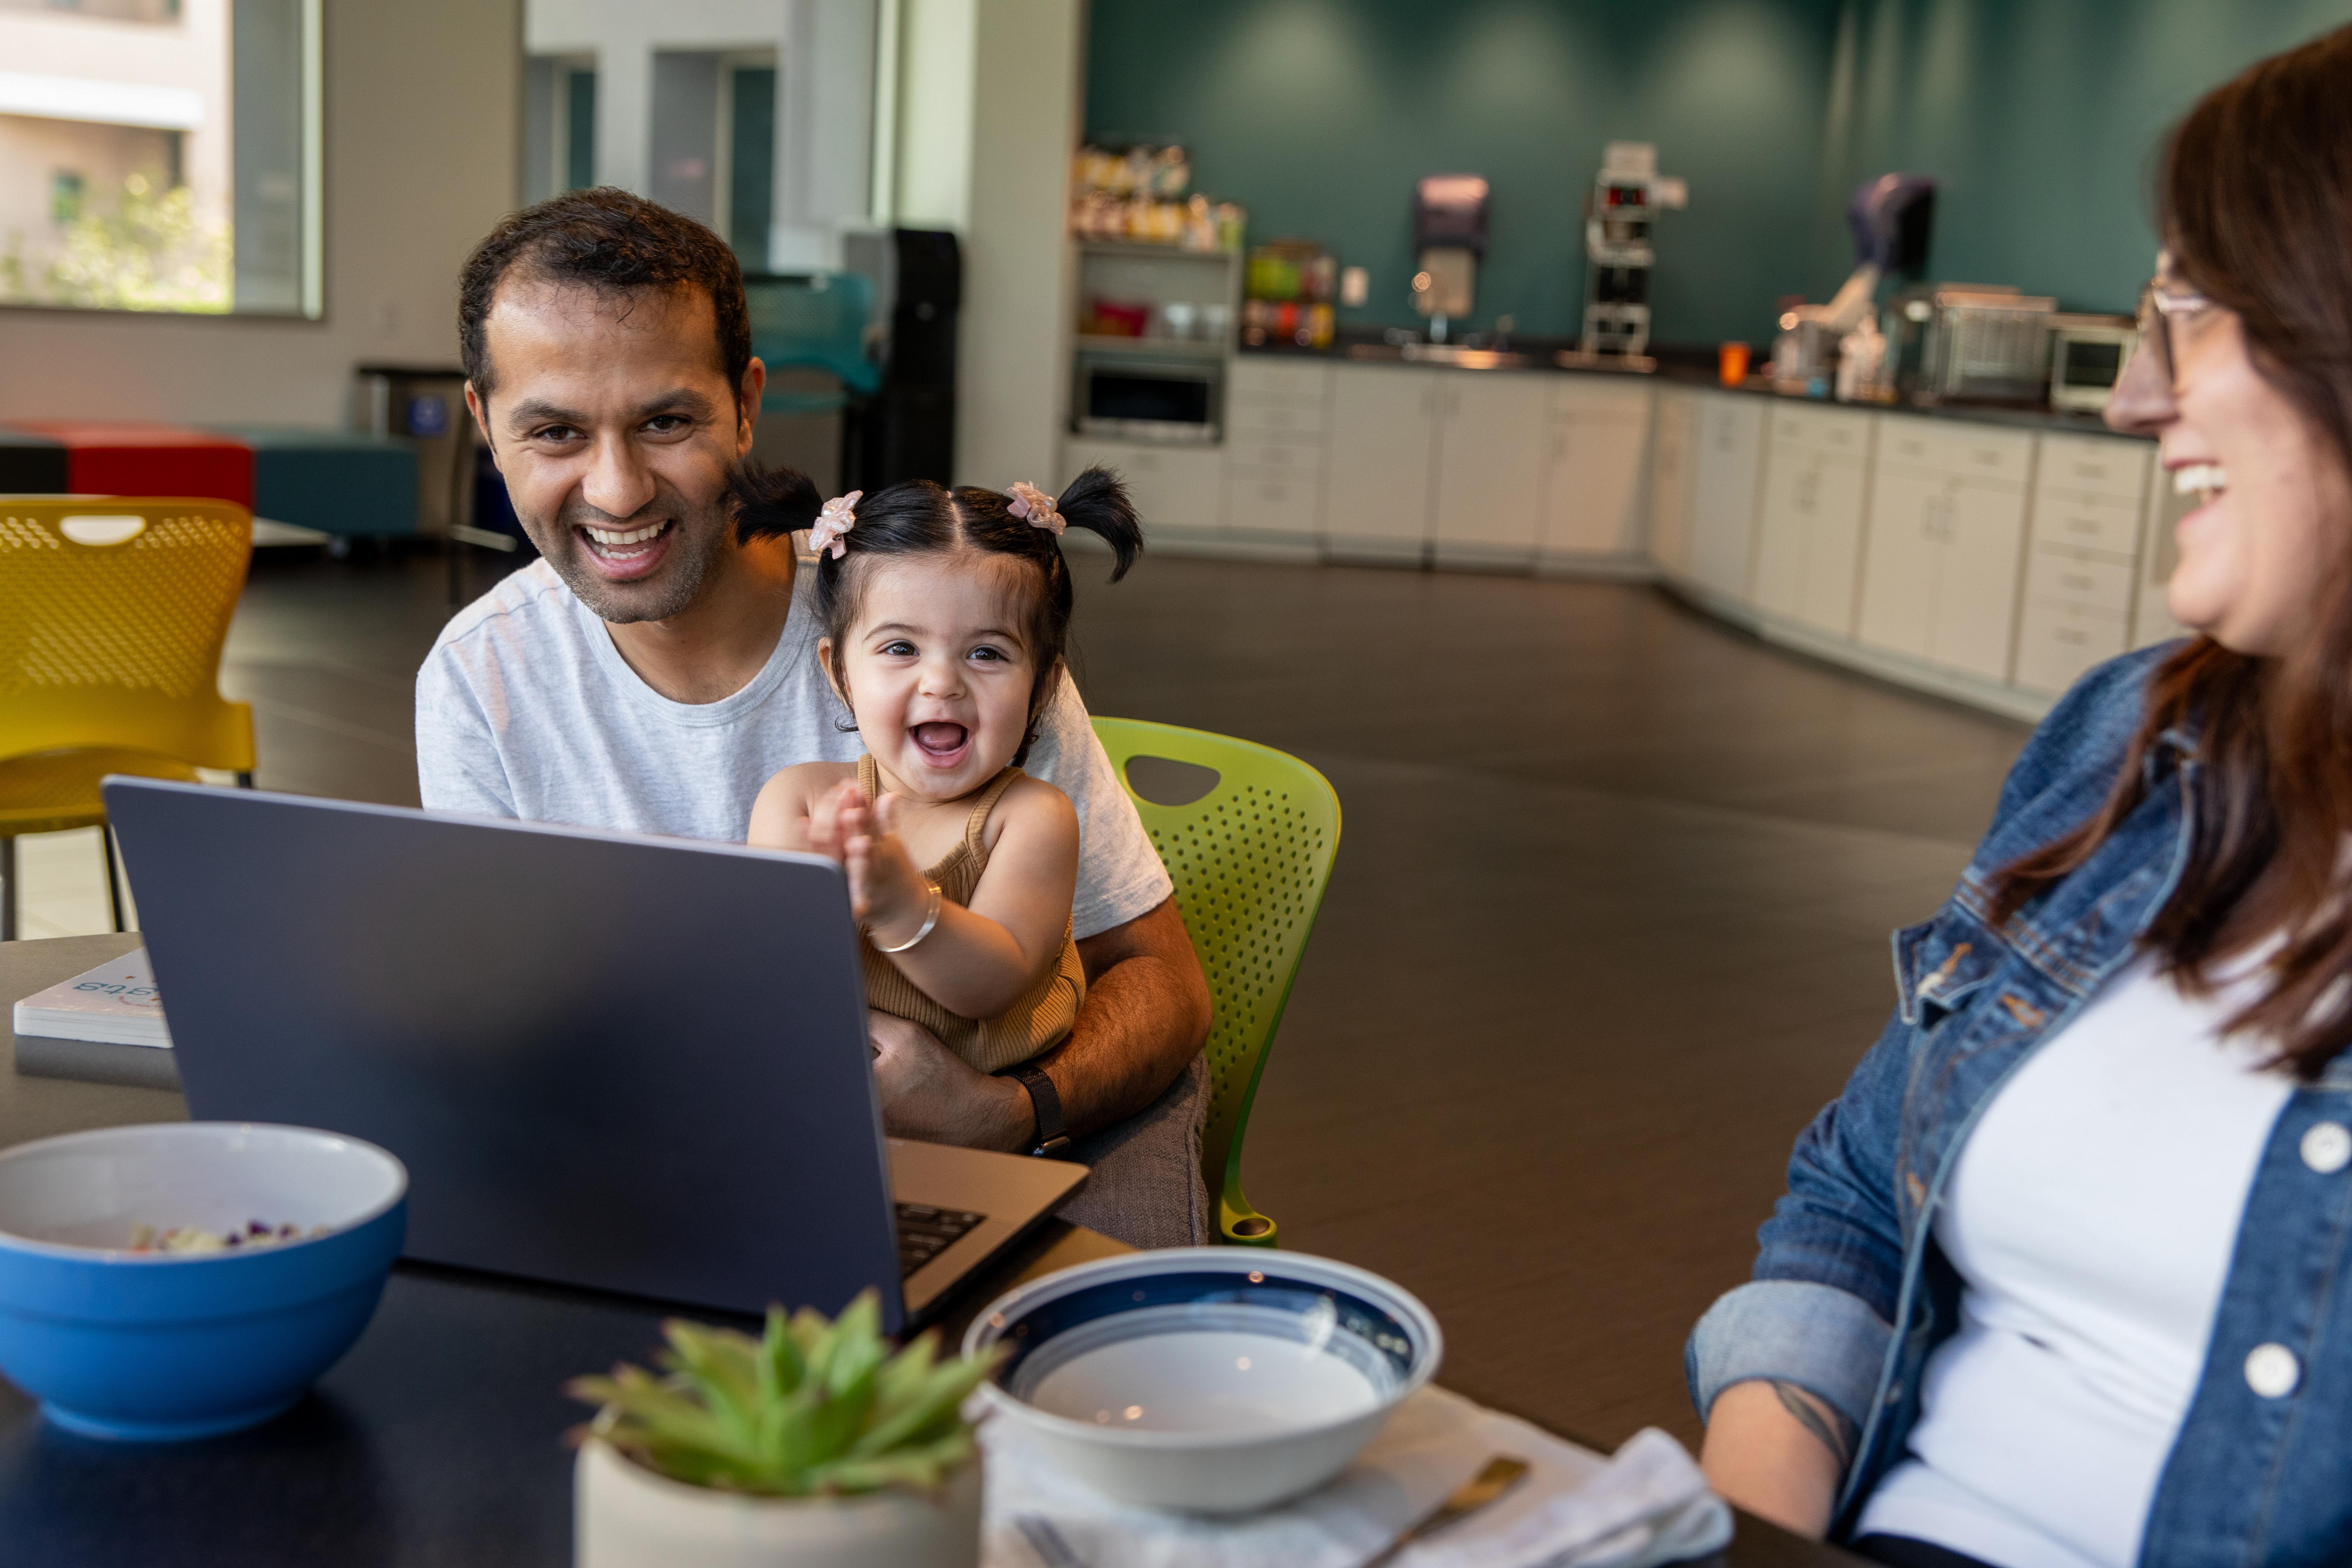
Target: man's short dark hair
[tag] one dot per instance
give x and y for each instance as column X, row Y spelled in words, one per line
column 612, row 242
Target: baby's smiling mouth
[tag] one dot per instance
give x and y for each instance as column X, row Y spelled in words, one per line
column 939, row 742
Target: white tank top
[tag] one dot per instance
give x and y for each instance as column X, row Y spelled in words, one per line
column 2092, row 1215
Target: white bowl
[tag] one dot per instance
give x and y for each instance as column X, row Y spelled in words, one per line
column 1207, row 1379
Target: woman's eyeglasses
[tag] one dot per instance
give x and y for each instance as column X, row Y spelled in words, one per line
column 2162, row 305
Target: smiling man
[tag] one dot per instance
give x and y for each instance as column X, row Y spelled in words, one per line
column 657, row 664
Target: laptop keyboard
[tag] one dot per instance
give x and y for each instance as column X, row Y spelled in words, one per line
column 925, row 1232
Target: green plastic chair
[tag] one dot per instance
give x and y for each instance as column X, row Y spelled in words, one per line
column 1250, row 859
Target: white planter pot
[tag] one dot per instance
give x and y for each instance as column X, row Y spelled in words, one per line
column 624, row 1516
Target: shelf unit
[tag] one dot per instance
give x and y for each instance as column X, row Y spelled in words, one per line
column 1182, row 481
column 1136, row 247
column 1163, row 348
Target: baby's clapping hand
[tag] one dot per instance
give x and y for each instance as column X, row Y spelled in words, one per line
column 886, row 891
column 827, row 828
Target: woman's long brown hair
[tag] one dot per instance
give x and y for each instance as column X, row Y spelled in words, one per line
column 2255, row 200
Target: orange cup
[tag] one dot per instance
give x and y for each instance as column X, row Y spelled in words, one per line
column 1731, row 363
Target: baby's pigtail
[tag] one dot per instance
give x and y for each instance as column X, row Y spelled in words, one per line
column 1096, row 500
column 771, row 503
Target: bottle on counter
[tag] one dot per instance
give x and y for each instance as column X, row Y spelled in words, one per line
column 1861, row 360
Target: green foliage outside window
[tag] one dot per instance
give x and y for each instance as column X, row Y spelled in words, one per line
column 146, row 249
column 65, row 197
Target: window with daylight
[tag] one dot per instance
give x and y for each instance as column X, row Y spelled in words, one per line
column 161, row 155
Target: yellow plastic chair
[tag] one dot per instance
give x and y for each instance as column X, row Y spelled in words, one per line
column 1250, row 858
column 113, row 614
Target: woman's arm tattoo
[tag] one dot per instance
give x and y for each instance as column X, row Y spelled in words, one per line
column 1825, row 1421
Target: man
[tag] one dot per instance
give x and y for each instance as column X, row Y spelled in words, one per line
column 655, row 666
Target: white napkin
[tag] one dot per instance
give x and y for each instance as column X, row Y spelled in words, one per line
column 1649, row 1504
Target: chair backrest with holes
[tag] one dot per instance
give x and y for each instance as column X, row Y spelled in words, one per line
column 113, row 614
column 1249, row 860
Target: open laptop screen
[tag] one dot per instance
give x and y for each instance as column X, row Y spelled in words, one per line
column 629, row 1062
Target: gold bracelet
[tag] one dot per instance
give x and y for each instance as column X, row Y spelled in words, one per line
column 930, row 919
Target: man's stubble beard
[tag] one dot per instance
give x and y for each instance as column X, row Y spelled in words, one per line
column 695, row 542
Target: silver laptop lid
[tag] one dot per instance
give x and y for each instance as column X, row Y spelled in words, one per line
column 631, row 1063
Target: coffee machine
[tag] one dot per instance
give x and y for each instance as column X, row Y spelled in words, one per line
column 1449, row 238
column 1619, row 252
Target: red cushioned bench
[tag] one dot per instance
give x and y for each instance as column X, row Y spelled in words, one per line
column 120, row 458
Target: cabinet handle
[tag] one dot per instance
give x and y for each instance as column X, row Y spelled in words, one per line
column 1937, row 521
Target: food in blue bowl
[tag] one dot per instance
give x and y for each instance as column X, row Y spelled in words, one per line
column 1208, row 1380
column 189, row 1279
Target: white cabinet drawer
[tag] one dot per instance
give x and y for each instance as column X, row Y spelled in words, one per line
column 2056, row 643
column 1274, row 456
column 1375, row 500
column 2075, row 577
column 1265, row 504
column 1728, row 463
column 1245, row 416
column 1599, row 397
column 1178, row 487
column 1265, row 378
column 1956, row 447
column 2096, row 465
column 2086, row 522
column 1828, row 430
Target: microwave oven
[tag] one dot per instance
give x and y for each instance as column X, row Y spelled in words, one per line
column 1137, row 397
column 2086, row 358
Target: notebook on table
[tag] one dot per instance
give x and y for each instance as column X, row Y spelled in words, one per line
column 105, row 1025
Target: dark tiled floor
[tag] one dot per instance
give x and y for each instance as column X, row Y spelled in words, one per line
column 1608, row 921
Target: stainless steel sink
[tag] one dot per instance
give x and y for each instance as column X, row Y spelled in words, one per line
column 1453, row 354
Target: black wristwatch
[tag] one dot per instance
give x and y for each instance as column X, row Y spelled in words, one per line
column 1052, row 1142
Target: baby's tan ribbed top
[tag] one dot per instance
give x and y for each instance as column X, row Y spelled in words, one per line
column 1039, row 1020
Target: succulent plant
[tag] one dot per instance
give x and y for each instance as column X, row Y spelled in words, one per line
column 809, row 1407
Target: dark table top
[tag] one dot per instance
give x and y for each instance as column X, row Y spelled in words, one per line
column 437, row 1440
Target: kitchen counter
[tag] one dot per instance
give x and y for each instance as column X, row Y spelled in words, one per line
column 1986, row 554
column 1674, row 367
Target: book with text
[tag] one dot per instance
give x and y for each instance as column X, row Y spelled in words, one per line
column 114, row 1004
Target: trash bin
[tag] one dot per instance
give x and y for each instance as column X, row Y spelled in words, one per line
column 426, row 403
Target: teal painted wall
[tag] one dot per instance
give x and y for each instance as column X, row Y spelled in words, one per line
column 2042, row 118
column 1320, row 114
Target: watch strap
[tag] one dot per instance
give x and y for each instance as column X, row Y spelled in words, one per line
column 1053, row 1139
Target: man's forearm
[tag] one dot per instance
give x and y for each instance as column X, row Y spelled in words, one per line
column 1145, row 1016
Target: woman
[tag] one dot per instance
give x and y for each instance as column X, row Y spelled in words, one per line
column 2064, row 1277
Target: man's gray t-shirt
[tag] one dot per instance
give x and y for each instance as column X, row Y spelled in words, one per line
column 524, row 709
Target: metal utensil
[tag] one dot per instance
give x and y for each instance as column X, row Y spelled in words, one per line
column 1046, row 1541
column 1502, row 1472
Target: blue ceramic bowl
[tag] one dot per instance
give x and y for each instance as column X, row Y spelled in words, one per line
column 167, row 1345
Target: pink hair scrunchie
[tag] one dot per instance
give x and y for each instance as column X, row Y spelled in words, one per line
column 838, row 517
column 1035, row 506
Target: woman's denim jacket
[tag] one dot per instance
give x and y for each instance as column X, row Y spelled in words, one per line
column 2257, row 1475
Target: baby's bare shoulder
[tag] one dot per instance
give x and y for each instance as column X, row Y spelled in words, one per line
column 782, row 808
column 811, row 778
column 1033, row 806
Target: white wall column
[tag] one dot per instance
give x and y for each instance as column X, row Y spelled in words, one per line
column 988, row 112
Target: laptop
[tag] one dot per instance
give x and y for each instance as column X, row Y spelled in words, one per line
column 608, row 1059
